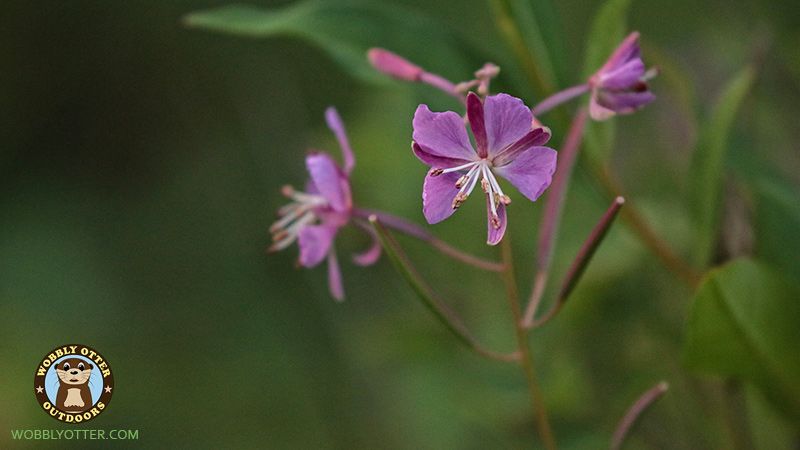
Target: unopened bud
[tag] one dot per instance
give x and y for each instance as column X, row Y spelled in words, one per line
column 393, row 65
column 488, row 71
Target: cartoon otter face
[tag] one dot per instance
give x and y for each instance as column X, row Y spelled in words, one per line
column 74, row 371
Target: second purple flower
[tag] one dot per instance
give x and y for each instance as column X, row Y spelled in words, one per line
column 508, row 142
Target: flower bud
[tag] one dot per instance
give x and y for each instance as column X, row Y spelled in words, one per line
column 393, row 65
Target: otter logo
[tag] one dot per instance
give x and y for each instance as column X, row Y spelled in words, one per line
column 73, row 383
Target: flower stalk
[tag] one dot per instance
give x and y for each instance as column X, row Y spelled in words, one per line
column 416, row 231
column 635, row 411
column 425, row 293
column 552, row 211
column 526, row 356
column 579, row 264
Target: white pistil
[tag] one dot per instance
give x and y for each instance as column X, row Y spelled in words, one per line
column 478, row 171
column 437, row 172
column 295, row 216
column 466, row 184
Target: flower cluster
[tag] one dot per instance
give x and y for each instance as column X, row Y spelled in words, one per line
column 505, row 140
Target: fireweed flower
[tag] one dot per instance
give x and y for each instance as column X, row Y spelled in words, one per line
column 620, row 86
column 508, row 143
column 315, row 216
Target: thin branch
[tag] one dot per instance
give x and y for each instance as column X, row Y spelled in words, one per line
column 551, row 216
column 636, row 410
column 526, row 357
column 440, row 309
column 580, row 262
column 422, row 234
column 638, row 224
column 559, row 98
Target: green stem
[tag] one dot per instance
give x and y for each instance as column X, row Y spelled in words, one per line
column 526, row 358
column 579, row 264
column 440, row 309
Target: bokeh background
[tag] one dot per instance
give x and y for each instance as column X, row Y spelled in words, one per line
column 140, row 167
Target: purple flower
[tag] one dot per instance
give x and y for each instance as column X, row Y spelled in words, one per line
column 315, row 216
column 508, row 144
column 620, row 86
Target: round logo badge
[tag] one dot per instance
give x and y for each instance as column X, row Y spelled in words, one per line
column 73, row 383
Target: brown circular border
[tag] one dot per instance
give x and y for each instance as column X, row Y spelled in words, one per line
column 38, row 381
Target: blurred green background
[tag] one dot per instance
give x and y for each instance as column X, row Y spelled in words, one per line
column 140, row 167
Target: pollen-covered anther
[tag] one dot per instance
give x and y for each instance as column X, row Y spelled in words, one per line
column 279, row 235
column 458, row 200
column 460, row 182
column 485, row 185
column 436, row 172
column 287, row 190
column 504, row 199
column 495, row 221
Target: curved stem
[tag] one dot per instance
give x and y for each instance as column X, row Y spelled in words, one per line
column 422, row 234
column 580, row 262
column 636, row 221
column 551, row 216
column 635, row 411
column 440, row 309
column 559, row 98
column 526, row 358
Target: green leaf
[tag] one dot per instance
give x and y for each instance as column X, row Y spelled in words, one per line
column 541, row 31
column 708, row 163
column 608, row 29
column 777, row 221
column 744, row 324
column 344, row 29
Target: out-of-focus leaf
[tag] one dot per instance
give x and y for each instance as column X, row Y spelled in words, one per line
column 607, row 31
column 541, row 31
column 343, row 29
column 599, row 139
column 777, row 221
column 708, row 163
column 770, row 431
column 744, row 324
column 674, row 81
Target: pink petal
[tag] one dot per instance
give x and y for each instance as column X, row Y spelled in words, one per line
column 627, row 50
column 535, row 138
column 476, row 123
column 315, row 242
column 625, row 76
column 507, row 120
column 624, row 102
column 597, row 111
column 329, row 180
column 442, row 134
column 434, row 161
column 373, row 253
column 495, row 235
column 335, row 285
column 531, row 172
column 337, row 126
column 437, row 196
